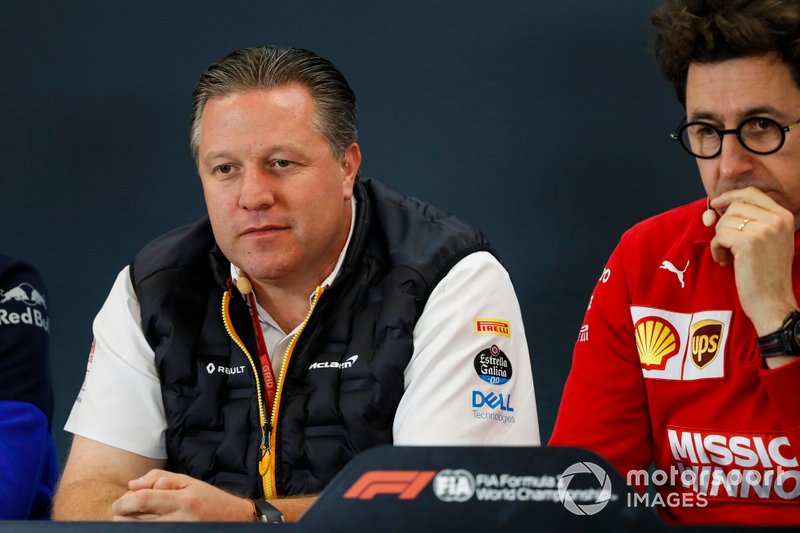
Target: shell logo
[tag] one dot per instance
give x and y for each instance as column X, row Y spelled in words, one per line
column 656, row 342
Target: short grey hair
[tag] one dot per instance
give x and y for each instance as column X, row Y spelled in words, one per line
column 267, row 67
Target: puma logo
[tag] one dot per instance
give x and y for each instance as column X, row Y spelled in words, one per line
column 666, row 265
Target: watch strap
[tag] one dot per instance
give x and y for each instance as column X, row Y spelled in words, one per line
column 771, row 345
column 781, row 342
column 266, row 512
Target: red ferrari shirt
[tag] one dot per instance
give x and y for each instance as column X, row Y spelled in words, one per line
column 666, row 370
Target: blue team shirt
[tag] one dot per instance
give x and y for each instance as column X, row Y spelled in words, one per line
column 28, row 460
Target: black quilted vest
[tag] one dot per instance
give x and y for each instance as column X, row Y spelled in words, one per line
column 399, row 251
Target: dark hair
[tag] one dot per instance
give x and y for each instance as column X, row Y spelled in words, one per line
column 268, row 67
column 707, row 31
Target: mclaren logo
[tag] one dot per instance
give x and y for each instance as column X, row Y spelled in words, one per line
column 656, row 342
column 347, row 363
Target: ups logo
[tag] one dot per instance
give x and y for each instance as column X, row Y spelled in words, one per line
column 705, row 338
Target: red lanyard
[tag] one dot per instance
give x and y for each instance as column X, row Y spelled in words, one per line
column 263, row 356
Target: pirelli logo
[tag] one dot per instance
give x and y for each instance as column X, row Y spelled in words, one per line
column 406, row 484
column 492, row 326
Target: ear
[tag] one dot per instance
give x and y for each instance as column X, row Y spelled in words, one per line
column 350, row 163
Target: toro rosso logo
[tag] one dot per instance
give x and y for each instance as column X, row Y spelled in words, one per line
column 25, row 293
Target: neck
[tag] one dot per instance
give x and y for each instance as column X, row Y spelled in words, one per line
column 287, row 306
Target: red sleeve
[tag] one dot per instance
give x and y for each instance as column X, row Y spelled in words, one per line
column 782, row 389
column 604, row 405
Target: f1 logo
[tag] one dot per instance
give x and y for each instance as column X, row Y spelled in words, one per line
column 407, row 484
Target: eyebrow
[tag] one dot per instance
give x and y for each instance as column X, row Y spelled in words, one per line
column 747, row 113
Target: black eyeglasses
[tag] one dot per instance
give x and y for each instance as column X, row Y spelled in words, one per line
column 759, row 135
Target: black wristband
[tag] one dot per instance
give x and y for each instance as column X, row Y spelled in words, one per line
column 785, row 341
column 266, row 512
column 771, row 345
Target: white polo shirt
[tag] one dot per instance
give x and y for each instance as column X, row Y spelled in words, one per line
column 468, row 382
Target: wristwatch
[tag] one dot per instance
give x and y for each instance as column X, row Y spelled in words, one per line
column 266, row 512
column 785, row 341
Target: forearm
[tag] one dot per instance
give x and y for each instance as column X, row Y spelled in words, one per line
column 86, row 500
column 293, row 507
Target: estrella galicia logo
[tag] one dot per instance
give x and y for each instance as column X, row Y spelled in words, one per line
column 492, row 400
column 25, row 293
column 493, row 366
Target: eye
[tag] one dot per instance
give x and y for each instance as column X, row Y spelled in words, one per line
column 281, row 163
column 706, row 131
column 701, row 130
column 223, row 169
column 762, row 124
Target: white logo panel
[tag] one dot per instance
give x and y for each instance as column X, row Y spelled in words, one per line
column 673, row 365
column 702, row 339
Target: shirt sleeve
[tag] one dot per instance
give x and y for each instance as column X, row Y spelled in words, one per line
column 469, row 381
column 781, row 386
column 28, row 469
column 24, row 337
column 120, row 401
column 28, row 473
column 604, row 404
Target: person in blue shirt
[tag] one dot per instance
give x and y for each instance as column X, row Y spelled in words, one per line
column 28, row 460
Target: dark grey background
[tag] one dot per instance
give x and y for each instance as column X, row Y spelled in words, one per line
column 543, row 123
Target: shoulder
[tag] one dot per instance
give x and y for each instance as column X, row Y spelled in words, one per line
column 417, row 234
column 184, row 247
column 678, row 224
column 17, row 271
column 23, row 298
column 392, row 207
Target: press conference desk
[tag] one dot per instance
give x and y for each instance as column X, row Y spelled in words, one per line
column 450, row 489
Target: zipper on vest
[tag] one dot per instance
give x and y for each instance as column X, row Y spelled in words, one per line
column 262, row 416
column 267, row 464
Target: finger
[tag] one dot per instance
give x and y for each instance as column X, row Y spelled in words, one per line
column 160, row 480
column 140, row 517
column 748, row 195
column 147, row 480
column 145, row 501
column 719, row 253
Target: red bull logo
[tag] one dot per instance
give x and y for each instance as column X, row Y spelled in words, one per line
column 25, row 293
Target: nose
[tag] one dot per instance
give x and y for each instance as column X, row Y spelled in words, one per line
column 256, row 189
column 735, row 161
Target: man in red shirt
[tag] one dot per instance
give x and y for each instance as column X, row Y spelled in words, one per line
column 687, row 357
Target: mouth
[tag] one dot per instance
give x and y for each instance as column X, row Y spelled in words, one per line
column 269, row 229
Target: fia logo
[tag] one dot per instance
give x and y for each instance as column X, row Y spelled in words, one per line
column 454, row 485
